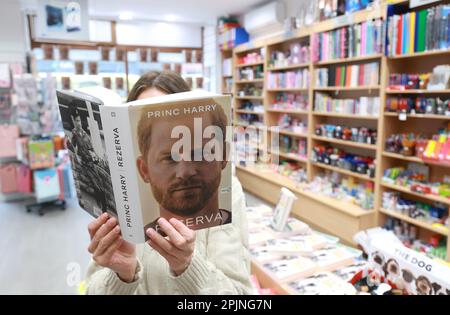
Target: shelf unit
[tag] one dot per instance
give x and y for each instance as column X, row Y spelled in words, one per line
column 266, row 184
column 226, row 79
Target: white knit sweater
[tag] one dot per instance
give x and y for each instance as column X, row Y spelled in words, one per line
column 220, row 264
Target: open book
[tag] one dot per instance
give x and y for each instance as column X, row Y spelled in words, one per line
column 165, row 156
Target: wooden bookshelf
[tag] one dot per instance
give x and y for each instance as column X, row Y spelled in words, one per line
column 290, row 67
column 288, row 90
column 249, row 97
column 418, row 116
column 420, row 223
column 347, row 88
column 266, row 184
column 249, row 81
column 347, row 60
column 288, row 111
column 250, row 64
column 343, row 171
column 291, row 156
column 417, row 91
column 422, row 54
column 244, row 111
column 406, row 190
column 347, row 143
column 351, row 116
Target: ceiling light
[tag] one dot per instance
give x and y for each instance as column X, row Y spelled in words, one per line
column 125, row 16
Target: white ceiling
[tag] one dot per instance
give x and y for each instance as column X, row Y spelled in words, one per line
column 185, row 11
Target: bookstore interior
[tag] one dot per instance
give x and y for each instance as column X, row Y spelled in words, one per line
column 340, row 143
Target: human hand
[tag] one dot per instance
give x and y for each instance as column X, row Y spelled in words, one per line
column 177, row 248
column 109, row 249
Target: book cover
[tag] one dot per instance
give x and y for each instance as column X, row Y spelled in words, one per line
column 412, row 28
column 166, row 156
column 398, row 49
column 422, row 31
column 322, row 283
column 290, row 269
column 289, row 246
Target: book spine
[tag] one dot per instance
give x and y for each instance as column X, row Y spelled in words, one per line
column 119, row 148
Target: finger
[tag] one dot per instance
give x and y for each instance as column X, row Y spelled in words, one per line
column 169, row 257
column 106, row 241
column 101, row 232
column 187, row 233
column 97, row 223
column 174, row 236
column 112, row 248
column 167, row 246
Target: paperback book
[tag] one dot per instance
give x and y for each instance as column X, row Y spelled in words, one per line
column 165, row 156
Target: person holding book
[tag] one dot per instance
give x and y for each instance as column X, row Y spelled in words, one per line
column 207, row 261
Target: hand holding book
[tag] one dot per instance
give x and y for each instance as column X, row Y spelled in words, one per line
column 110, row 250
column 177, row 248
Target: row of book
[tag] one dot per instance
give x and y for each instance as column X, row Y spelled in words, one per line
column 349, row 76
column 363, row 39
column 290, row 79
column 419, row 31
column 362, row 106
column 301, row 260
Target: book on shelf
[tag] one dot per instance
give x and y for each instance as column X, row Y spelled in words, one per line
column 290, row 268
column 321, row 283
column 419, row 31
column 349, row 75
column 263, row 254
column 333, row 257
column 363, row 39
column 289, row 247
column 137, row 161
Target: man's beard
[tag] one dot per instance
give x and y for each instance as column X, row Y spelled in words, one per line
column 191, row 201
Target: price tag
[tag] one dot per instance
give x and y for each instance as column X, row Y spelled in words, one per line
column 402, row 116
column 343, row 20
column 14, row 100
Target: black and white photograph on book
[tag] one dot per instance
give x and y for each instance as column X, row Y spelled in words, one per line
column 208, row 149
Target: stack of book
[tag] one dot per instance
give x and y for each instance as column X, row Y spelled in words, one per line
column 361, row 106
column 289, row 79
column 419, row 31
column 299, row 256
column 363, row 39
column 349, row 75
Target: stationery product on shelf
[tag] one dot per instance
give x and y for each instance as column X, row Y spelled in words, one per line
column 9, row 134
column 296, row 54
column 292, row 124
column 418, row 105
column 41, row 153
column 354, row 134
column 434, row 214
column 408, row 234
column 349, row 75
column 360, row 106
column 251, row 57
column 111, row 174
column 252, row 106
column 419, row 31
column 335, row 186
column 416, row 179
column 249, row 90
column 290, row 145
column 288, row 80
column 46, row 184
column 338, row 158
column 250, row 73
column 250, row 119
column 356, row 40
column 290, row 101
column 8, row 178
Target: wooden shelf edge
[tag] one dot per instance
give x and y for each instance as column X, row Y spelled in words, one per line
column 347, row 60
column 348, row 143
column 409, row 191
column 420, row 54
column 277, row 179
column 345, row 115
column 413, row 221
column 345, row 172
